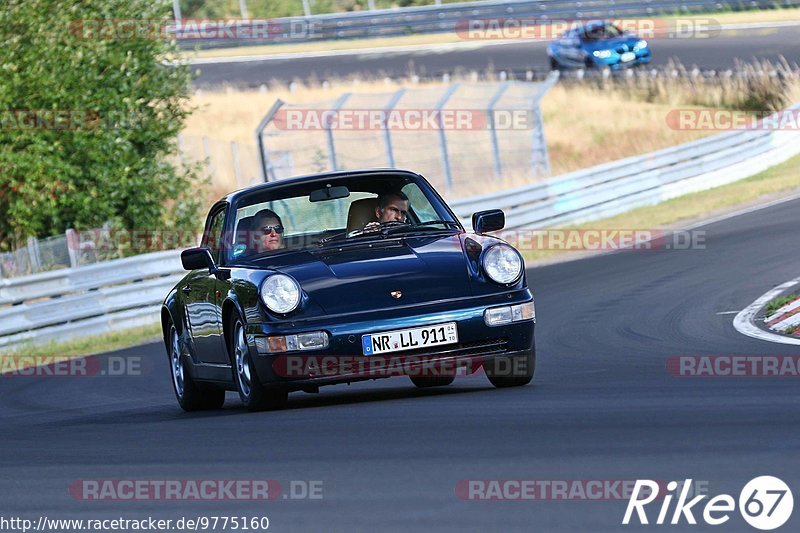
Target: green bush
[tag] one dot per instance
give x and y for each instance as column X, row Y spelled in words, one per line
column 112, row 161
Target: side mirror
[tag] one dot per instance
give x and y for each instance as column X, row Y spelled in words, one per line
column 198, row 258
column 488, row 221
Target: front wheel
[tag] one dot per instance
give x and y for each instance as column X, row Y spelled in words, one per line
column 515, row 371
column 254, row 394
column 192, row 396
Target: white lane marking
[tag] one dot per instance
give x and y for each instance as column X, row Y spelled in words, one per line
column 431, row 48
column 743, row 322
column 728, row 313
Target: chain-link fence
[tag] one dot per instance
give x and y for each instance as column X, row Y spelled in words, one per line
column 462, row 136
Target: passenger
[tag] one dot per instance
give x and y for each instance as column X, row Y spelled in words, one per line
column 267, row 231
column 392, row 207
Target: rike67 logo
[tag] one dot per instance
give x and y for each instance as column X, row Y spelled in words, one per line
column 765, row 503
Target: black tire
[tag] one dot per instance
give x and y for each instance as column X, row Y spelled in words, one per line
column 423, row 382
column 191, row 396
column 516, row 371
column 554, row 64
column 254, row 394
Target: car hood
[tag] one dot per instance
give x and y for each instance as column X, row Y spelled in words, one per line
column 361, row 276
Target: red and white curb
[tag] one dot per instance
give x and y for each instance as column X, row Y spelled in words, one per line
column 784, row 318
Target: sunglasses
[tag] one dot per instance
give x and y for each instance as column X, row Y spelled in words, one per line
column 269, row 229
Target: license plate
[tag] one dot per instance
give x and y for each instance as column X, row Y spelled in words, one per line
column 627, row 56
column 409, row 339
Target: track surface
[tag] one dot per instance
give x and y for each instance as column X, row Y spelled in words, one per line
column 602, row 407
column 718, row 52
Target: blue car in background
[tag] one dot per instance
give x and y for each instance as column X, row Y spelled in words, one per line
column 598, row 44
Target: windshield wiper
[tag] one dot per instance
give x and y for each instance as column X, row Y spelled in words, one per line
column 407, row 227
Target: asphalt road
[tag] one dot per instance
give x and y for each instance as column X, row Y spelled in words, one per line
column 717, row 52
column 602, row 407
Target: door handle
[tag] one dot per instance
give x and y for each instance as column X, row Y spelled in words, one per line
column 186, row 289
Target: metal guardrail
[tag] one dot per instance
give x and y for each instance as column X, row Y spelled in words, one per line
column 445, row 18
column 619, row 186
column 88, row 300
column 123, row 293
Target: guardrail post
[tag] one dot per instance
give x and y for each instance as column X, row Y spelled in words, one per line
column 331, row 145
column 243, row 8
column 498, row 166
column 262, row 149
column 176, row 10
column 448, row 173
column 306, row 8
column 387, row 135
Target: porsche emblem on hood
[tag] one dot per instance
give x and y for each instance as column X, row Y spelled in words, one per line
column 396, row 294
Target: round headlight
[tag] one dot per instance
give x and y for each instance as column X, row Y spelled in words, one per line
column 280, row 293
column 502, row 264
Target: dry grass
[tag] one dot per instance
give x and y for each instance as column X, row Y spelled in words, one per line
column 586, row 124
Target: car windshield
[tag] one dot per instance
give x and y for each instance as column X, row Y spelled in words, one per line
column 598, row 32
column 316, row 213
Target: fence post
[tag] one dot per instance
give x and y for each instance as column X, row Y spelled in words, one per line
column 262, row 149
column 331, row 146
column 73, row 247
column 387, row 135
column 207, row 154
column 243, row 8
column 498, row 165
column 306, row 8
column 237, row 167
column 176, row 10
column 33, row 255
column 448, row 174
column 540, row 158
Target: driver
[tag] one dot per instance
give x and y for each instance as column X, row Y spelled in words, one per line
column 392, row 207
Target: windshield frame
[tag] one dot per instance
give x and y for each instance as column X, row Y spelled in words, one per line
column 379, row 180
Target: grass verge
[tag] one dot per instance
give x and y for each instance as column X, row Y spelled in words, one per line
column 779, row 180
column 777, row 303
column 92, row 345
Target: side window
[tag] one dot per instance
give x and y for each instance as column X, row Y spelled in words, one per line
column 212, row 237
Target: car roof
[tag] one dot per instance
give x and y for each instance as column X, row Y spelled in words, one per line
column 321, row 177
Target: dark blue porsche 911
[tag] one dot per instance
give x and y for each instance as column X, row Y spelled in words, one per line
column 598, row 44
column 344, row 277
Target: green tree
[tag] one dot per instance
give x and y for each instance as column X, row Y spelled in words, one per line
column 110, row 157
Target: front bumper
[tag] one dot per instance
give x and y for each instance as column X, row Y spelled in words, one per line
column 343, row 360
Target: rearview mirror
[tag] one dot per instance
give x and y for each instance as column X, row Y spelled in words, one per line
column 329, row 193
column 197, row 259
column 488, row 221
